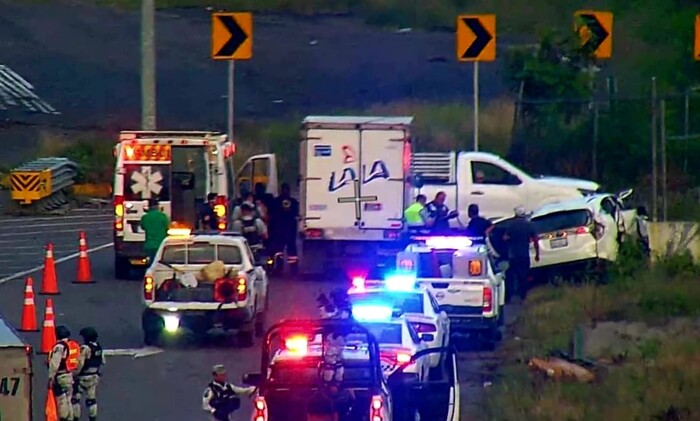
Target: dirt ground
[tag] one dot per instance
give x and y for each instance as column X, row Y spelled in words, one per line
column 85, row 61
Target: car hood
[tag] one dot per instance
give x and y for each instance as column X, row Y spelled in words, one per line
column 577, row 183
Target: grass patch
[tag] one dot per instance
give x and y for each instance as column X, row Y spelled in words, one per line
column 659, row 379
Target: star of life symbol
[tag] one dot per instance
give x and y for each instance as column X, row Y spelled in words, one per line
column 146, row 182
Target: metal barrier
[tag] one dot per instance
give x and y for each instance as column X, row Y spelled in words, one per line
column 43, row 183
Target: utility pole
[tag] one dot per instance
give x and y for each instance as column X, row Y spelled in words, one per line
column 654, row 175
column 664, row 175
column 148, row 65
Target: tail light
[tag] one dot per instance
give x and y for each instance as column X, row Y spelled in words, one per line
column 314, row 233
column 475, row 268
column 487, row 300
column 228, row 290
column 148, row 287
column 260, row 409
column 403, row 358
column 424, row 327
column 582, row 230
column 220, row 209
column 375, row 409
column 119, row 213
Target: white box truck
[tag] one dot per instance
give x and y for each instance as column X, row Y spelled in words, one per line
column 15, row 376
column 354, row 186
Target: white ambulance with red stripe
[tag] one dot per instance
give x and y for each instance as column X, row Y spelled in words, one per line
column 179, row 168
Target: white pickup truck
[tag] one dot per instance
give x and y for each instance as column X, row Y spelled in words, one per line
column 491, row 182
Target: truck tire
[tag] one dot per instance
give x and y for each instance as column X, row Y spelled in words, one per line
column 122, row 268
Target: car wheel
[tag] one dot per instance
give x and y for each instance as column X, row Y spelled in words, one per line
column 246, row 338
column 152, row 338
column 122, row 268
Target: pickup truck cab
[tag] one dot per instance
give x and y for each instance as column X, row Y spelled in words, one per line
column 491, row 182
column 175, row 300
column 459, row 274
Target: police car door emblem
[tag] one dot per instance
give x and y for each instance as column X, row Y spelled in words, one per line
column 146, row 182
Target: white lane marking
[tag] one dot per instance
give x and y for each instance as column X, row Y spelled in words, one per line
column 58, row 219
column 63, row 224
column 26, row 233
column 133, row 352
column 57, row 261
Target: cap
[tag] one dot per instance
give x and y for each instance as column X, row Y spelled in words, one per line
column 520, row 211
column 219, row 369
column 62, row 332
column 89, row 333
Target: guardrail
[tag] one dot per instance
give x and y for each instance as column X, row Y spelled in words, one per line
column 43, row 182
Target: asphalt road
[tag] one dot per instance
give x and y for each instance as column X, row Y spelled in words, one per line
column 166, row 385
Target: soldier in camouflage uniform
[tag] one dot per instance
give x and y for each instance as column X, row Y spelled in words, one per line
column 88, row 377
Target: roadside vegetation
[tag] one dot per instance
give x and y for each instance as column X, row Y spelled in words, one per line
column 640, row 333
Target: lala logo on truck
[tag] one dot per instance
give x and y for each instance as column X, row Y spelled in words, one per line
column 377, row 171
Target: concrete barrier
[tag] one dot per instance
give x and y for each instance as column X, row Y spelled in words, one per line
column 673, row 238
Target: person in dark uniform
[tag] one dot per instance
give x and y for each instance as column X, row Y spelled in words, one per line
column 221, row 398
column 438, row 214
column 520, row 232
column 88, row 377
column 251, row 227
column 477, row 225
column 206, row 218
column 284, row 227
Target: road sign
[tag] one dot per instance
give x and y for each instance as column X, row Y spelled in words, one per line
column 476, row 37
column 696, row 44
column 596, row 31
column 231, row 36
column 357, row 200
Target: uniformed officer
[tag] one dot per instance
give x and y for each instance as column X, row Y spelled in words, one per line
column 414, row 213
column 221, row 398
column 284, row 226
column 63, row 360
column 88, row 377
column 438, row 214
column 251, row 227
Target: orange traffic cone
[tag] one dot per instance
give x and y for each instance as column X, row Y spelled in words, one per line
column 48, row 333
column 49, row 282
column 84, row 272
column 29, row 309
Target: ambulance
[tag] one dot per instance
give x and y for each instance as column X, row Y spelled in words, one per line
column 179, row 168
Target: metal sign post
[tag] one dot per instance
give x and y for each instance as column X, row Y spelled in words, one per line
column 476, row 106
column 231, row 79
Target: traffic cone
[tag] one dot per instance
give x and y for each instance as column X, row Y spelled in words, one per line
column 84, row 272
column 29, row 309
column 48, row 332
column 49, row 283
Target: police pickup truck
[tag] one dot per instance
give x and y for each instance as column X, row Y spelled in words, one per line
column 458, row 272
column 290, row 376
column 175, row 300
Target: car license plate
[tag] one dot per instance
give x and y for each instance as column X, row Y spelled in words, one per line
column 558, row 243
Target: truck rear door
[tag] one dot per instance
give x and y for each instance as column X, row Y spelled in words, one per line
column 385, row 156
column 332, row 167
column 15, row 377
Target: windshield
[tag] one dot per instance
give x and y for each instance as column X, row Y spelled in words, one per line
column 201, row 253
column 429, row 263
column 386, row 333
column 408, row 302
column 559, row 221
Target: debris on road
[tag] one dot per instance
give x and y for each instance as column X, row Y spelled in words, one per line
column 559, row 369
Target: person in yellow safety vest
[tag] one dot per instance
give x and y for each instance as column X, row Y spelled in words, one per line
column 414, row 213
column 63, row 360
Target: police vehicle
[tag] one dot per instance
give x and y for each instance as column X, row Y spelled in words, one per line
column 290, row 374
column 417, row 304
column 458, row 272
column 175, row 300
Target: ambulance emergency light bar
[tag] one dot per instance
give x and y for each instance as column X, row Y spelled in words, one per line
column 445, row 242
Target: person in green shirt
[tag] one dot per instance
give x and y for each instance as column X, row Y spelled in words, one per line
column 413, row 214
column 155, row 224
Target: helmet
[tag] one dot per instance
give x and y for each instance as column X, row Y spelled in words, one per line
column 88, row 333
column 62, row 332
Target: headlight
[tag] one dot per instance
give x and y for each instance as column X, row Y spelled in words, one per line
column 171, row 323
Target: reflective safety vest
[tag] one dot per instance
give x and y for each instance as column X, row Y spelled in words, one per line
column 70, row 361
column 249, row 228
column 412, row 214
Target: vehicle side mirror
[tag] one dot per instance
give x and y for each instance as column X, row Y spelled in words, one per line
column 252, row 379
column 427, row 337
